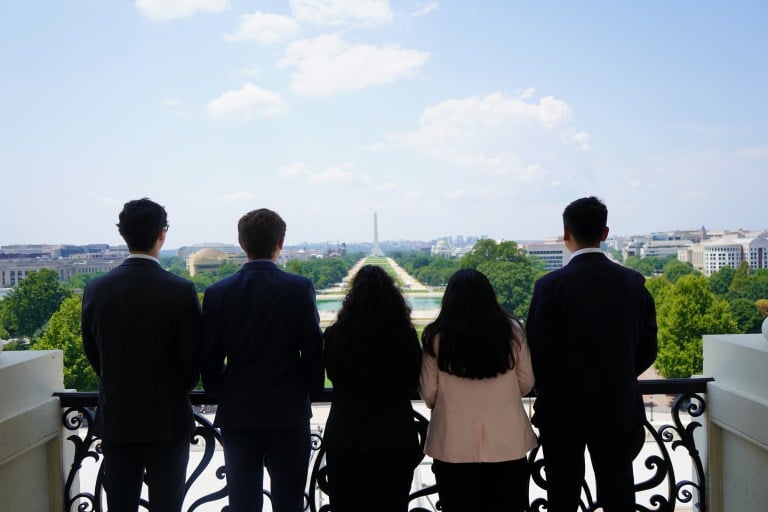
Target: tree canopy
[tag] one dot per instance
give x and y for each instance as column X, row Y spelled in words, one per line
column 650, row 265
column 63, row 333
column 685, row 311
column 31, row 303
column 674, row 270
column 322, row 272
column 720, row 281
column 428, row 269
column 511, row 272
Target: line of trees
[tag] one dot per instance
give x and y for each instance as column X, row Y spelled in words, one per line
column 42, row 313
column 509, row 269
column 324, row 272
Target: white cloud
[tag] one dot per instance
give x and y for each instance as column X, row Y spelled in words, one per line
column 582, row 139
column 387, row 187
column 294, row 169
column 264, row 28
column 426, row 9
column 163, row 10
column 333, row 175
column 377, row 146
column 338, row 13
column 237, row 197
column 455, row 194
column 327, row 65
column 246, row 103
column 507, row 135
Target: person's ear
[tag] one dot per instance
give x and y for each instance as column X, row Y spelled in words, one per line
column 604, row 235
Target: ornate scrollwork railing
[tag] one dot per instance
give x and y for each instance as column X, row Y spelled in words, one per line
column 660, row 485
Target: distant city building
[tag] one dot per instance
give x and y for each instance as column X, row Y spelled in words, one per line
column 12, row 271
column 210, row 259
column 450, row 249
column 709, row 257
column 552, row 252
column 662, row 248
column 187, row 250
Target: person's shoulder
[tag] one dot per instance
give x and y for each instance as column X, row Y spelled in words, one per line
column 222, row 284
column 633, row 275
column 179, row 281
column 295, row 279
column 116, row 274
column 553, row 276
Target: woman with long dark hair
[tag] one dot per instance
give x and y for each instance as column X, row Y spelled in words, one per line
column 372, row 356
column 475, row 369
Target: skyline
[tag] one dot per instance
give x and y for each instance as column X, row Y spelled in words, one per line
column 439, row 116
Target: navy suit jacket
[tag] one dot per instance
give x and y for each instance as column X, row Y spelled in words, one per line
column 261, row 347
column 141, row 333
column 592, row 330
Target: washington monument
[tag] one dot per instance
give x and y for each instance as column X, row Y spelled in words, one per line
column 376, row 250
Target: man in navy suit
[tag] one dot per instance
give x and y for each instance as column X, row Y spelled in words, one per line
column 262, row 358
column 592, row 331
column 141, row 333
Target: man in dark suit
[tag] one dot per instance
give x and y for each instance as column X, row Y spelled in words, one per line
column 141, row 333
column 262, row 358
column 592, row 332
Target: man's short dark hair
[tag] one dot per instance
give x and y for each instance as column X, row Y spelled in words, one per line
column 140, row 223
column 586, row 219
column 260, row 232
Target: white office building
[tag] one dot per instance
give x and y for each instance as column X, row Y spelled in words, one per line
column 553, row 253
column 711, row 256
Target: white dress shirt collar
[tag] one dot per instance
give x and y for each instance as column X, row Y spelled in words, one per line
column 144, row 257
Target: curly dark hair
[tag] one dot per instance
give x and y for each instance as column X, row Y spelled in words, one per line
column 373, row 334
column 475, row 330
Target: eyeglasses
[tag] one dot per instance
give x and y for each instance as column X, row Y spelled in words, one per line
column 165, row 228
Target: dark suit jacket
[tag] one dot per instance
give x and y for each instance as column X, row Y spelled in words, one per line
column 371, row 407
column 592, row 330
column 261, row 347
column 141, row 333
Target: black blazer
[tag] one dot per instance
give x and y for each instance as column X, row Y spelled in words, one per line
column 141, row 333
column 371, row 406
column 592, row 330
column 261, row 347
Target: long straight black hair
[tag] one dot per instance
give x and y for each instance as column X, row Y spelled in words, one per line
column 475, row 331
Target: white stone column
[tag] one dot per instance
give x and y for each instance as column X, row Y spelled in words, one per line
column 737, row 421
column 30, row 430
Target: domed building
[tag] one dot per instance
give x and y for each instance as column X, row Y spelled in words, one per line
column 210, row 259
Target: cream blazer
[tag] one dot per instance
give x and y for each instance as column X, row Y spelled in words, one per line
column 478, row 420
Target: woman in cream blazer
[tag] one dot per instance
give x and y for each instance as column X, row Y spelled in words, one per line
column 476, row 367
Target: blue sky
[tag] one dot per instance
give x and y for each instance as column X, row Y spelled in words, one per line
column 445, row 117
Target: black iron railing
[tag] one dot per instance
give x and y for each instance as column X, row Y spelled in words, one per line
column 661, row 484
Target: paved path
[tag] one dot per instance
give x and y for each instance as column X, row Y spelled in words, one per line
column 410, row 282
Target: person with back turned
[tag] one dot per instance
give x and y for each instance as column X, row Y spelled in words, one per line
column 262, row 350
column 592, row 331
column 141, row 334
